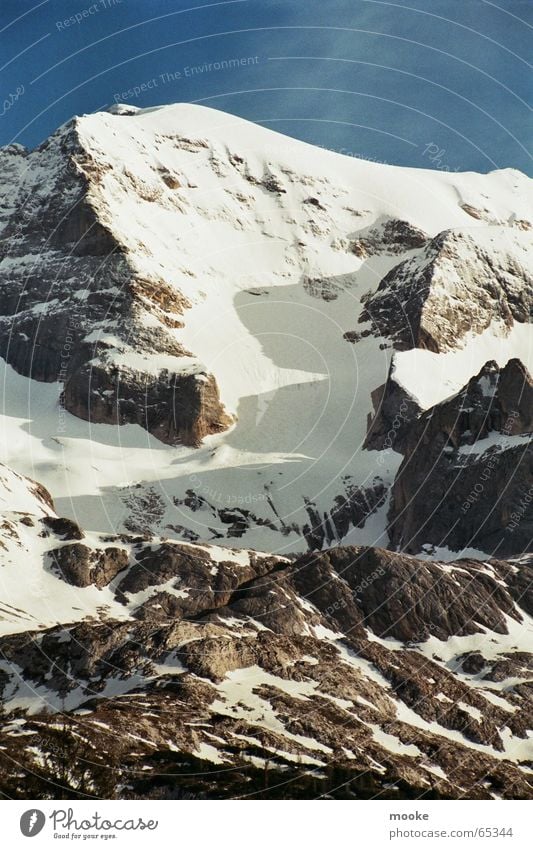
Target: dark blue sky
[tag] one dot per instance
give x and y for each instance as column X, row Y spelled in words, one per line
column 377, row 79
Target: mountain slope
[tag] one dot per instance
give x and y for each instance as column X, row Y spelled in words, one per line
column 409, row 672
column 188, row 272
column 279, row 405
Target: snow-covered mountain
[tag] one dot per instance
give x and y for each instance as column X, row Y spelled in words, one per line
column 279, row 406
column 183, row 272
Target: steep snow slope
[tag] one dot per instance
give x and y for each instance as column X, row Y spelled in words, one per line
column 269, row 245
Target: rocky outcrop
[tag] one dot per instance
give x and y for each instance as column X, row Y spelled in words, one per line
column 193, row 584
column 395, row 410
column 71, row 301
column 451, row 287
column 173, row 407
column 388, row 235
column 398, row 596
column 81, row 566
column 62, row 527
column 467, row 475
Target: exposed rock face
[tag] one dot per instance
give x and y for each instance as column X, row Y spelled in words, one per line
column 391, row 236
column 172, row 407
column 62, row 527
column 451, row 287
column 409, row 600
column 195, row 585
column 394, row 413
column 80, row 566
column 467, row 474
column 71, row 301
column 252, row 660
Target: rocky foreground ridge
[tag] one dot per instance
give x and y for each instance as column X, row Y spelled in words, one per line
column 231, row 673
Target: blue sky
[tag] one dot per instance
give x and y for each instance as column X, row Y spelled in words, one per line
column 381, row 80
